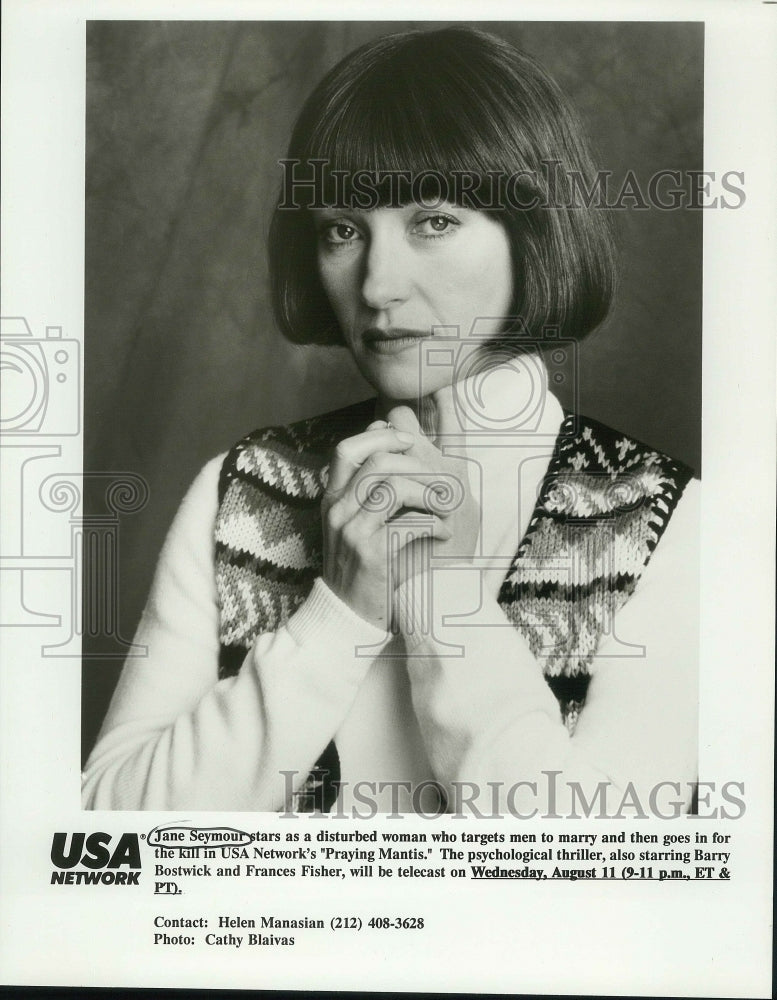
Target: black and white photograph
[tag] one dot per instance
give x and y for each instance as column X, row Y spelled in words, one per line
column 408, row 218
column 387, row 551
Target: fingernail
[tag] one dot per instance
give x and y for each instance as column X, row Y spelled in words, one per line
column 405, row 438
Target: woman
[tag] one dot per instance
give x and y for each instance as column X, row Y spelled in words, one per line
column 432, row 599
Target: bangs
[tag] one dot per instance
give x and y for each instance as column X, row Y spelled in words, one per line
column 416, row 122
column 408, row 143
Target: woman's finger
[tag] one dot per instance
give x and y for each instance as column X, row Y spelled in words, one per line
column 404, row 419
column 377, row 501
column 442, row 491
column 352, row 452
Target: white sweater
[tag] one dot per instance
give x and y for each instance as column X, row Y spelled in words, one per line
column 175, row 737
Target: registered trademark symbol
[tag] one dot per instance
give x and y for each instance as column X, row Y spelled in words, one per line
column 142, row 836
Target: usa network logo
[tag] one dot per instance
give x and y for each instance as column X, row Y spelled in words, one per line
column 104, row 861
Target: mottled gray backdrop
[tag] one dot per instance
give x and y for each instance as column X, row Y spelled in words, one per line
column 186, row 122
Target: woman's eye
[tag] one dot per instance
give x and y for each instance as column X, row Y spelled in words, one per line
column 435, row 225
column 340, row 232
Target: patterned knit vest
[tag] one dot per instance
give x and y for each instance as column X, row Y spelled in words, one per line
column 602, row 507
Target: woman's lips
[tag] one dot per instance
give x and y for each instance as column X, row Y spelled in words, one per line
column 391, row 341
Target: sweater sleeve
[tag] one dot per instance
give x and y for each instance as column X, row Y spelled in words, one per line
column 488, row 715
column 175, row 736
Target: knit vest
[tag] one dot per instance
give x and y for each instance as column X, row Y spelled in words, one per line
column 602, row 507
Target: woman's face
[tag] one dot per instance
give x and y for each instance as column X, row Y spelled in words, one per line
column 396, row 277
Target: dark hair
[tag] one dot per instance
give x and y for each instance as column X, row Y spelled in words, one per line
column 455, row 101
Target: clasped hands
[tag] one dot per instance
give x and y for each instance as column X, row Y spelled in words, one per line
column 378, row 480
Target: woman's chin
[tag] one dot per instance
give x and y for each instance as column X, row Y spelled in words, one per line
column 406, row 385
column 414, row 373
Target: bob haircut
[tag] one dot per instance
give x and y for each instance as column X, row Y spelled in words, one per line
column 452, row 109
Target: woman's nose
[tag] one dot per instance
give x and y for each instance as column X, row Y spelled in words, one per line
column 386, row 277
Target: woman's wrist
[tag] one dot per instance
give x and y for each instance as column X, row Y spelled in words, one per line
column 325, row 616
